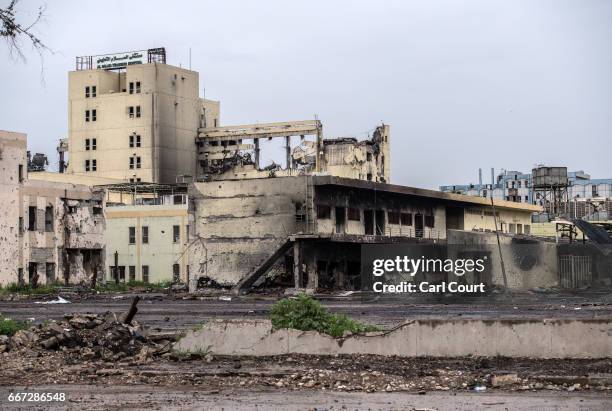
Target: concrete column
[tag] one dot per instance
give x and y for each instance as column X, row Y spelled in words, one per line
column 288, row 151
column 256, row 142
column 313, row 278
column 342, row 273
column 297, row 264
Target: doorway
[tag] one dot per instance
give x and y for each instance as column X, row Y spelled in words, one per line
column 368, row 221
column 33, row 274
column 340, row 220
column 418, row 225
column 380, row 222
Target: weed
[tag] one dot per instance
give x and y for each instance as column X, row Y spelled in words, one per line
column 10, row 327
column 28, row 289
column 305, row 313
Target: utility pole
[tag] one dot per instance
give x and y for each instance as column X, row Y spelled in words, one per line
column 501, row 257
column 116, row 268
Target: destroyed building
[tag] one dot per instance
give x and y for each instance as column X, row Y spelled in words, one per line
column 312, row 226
column 234, row 152
column 51, row 232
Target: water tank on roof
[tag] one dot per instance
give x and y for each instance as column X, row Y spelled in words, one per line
column 546, row 177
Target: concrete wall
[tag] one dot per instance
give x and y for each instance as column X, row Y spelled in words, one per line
column 435, row 338
column 509, row 221
column 12, row 155
column 528, row 263
column 241, row 223
column 160, row 253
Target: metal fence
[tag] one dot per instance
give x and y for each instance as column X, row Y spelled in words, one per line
column 575, row 271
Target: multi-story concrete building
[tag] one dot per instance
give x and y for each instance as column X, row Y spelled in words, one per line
column 49, row 231
column 148, row 233
column 135, row 122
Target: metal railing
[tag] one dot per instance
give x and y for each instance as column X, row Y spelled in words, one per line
column 575, row 271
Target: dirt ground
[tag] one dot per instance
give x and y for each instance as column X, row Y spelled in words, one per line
column 87, row 397
column 308, row 382
column 167, row 380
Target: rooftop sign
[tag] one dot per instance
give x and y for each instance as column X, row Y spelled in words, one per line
column 119, row 61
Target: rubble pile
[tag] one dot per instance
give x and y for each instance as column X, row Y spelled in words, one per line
column 91, row 336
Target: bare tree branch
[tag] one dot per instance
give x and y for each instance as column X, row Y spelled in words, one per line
column 14, row 32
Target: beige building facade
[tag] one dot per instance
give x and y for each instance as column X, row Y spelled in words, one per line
column 136, row 124
column 148, row 234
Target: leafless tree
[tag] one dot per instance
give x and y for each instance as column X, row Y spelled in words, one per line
column 15, row 32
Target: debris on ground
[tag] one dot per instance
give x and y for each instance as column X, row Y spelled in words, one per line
column 114, row 349
column 91, row 336
column 59, row 300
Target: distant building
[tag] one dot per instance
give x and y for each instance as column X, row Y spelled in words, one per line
column 586, row 195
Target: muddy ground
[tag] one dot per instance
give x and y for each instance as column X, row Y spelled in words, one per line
column 168, row 380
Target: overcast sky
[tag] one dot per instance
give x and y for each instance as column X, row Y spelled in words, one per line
column 463, row 84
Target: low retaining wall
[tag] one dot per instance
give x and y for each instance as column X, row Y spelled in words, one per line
column 435, row 338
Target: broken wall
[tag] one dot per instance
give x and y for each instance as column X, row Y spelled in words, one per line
column 364, row 160
column 66, row 237
column 240, row 223
column 12, row 157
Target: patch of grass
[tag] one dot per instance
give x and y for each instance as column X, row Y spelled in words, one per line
column 10, row 327
column 306, row 314
column 110, row 286
column 28, row 289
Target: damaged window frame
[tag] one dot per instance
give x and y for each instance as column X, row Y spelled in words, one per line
column 32, row 218
column 323, row 212
column 353, row 214
column 49, row 219
column 406, row 219
column 393, row 217
column 429, row 221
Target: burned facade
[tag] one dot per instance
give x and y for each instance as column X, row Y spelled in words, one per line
column 310, row 227
column 52, row 232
